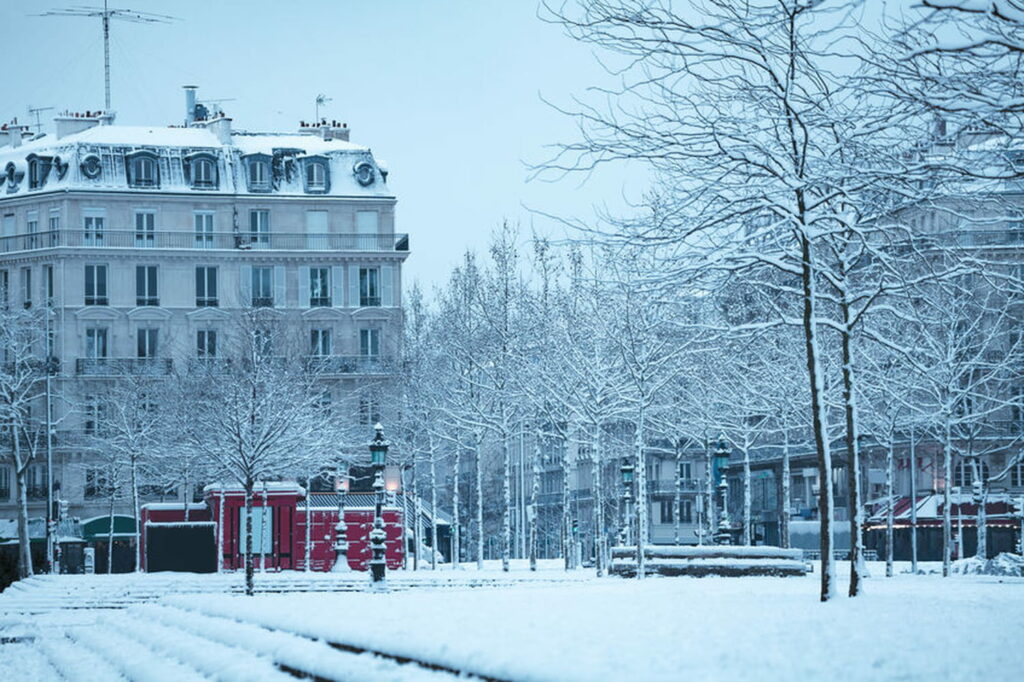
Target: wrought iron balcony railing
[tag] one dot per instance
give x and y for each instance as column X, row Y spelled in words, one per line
column 185, row 239
column 350, row 364
column 106, row 367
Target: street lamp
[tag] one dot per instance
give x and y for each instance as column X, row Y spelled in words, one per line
column 378, row 458
column 723, row 537
column 627, row 470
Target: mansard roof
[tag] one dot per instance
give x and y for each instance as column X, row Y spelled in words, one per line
column 70, row 162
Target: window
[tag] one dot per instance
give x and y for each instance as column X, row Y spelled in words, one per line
column 686, row 511
column 320, row 342
column 316, row 176
column 96, row 343
column 96, row 285
column 204, row 230
column 92, row 228
column 143, row 171
column 32, row 229
column 369, row 410
column 319, row 287
column 1017, row 475
column 259, row 227
column 5, row 484
column 96, row 484
column 145, row 229
column 146, row 343
column 206, row 343
column 36, row 482
column 48, row 282
column 369, row 343
column 206, row 287
column 259, row 175
column 36, row 173
column 686, row 470
column 145, row 285
column 963, row 474
column 262, row 287
column 369, row 286
column 54, row 225
column 204, row 173
column 26, row 287
column 666, row 510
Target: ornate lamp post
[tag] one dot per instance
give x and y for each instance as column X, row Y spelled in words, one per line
column 341, row 529
column 723, row 537
column 378, row 458
column 627, row 470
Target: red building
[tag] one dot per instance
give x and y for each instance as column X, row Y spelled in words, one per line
column 192, row 539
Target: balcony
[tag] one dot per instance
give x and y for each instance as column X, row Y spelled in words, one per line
column 112, row 367
column 187, row 239
column 209, row 366
column 333, row 365
column 662, row 487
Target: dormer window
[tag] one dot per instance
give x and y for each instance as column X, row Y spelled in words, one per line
column 143, row 171
column 258, row 173
column 315, row 176
column 38, row 170
column 202, row 171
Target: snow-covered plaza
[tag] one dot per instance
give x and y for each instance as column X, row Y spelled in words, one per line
column 548, row 625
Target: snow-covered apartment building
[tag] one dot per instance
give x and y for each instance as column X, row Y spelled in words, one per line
column 145, row 239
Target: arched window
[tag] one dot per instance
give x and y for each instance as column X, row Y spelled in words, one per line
column 315, row 175
column 204, row 173
column 257, row 175
column 143, row 170
column 317, row 180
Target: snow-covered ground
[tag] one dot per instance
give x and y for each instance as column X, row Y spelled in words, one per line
column 523, row 626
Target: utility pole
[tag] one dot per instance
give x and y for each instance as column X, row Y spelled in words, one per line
column 106, row 14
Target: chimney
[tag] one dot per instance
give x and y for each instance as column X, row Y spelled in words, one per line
column 190, row 104
column 328, row 130
column 70, row 123
column 219, row 126
column 16, row 133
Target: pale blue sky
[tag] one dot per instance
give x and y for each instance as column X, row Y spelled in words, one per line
column 446, row 91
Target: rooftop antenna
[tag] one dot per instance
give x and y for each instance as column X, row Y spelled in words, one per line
column 106, row 14
column 35, row 112
column 321, row 100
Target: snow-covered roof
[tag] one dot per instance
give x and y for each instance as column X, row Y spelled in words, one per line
column 351, row 168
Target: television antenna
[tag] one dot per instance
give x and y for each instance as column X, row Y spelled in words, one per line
column 35, row 112
column 106, row 14
column 321, row 100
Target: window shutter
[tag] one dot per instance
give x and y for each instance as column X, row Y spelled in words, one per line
column 353, row 285
column 338, row 286
column 245, row 286
column 387, row 297
column 304, row 288
column 279, row 289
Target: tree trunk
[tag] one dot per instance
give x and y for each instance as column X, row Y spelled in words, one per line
column 982, row 522
column 599, row 531
column 947, row 521
column 566, row 506
column 433, row 509
column 220, row 531
column 890, row 503
column 913, row 505
column 534, row 491
column 136, row 513
column 110, row 529
column 786, row 496
column 678, row 496
column 188, row 494
column 641, row 494
column 456, row 526
column 857, row 567
column 479, row 506
column 710, row 519
column 24, row 541
column 506, row 494
column 821, row 442
column 307, row 553
column 250, row 570
column 748, row 536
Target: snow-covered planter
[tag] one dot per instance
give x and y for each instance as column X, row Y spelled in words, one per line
column 713, row 560
column 1003, row 564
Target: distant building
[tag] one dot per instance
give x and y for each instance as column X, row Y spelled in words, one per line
column 144, row 240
